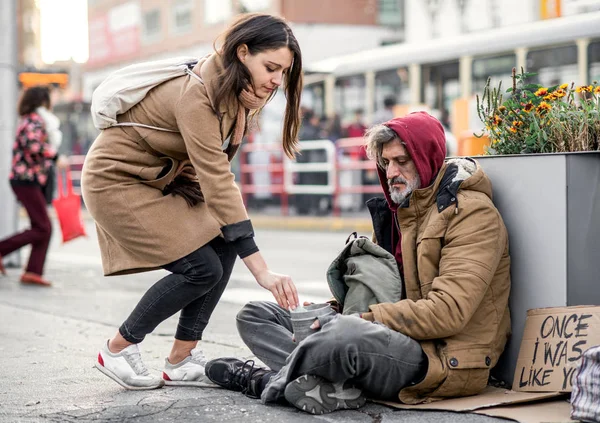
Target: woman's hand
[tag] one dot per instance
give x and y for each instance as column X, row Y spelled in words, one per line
column 281, row 286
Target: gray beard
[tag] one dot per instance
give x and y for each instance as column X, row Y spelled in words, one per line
column 400, row 196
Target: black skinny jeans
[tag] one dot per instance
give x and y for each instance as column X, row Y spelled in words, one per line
column 194, row 286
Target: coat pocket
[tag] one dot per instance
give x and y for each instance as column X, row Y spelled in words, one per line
column 429, row 252
column 468, row 372
column 161, row 175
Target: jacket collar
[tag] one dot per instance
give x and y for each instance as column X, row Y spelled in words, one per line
column 446, row 185
column 209, row 68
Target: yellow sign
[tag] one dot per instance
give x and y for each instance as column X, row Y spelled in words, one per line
column 550, row 9
column 31, row 79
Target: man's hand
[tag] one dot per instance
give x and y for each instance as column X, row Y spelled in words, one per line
column 335, row 306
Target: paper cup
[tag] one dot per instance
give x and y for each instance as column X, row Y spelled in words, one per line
column 304, row 317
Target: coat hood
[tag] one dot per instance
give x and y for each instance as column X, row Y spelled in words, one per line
column 463, row 174
column 425, row 141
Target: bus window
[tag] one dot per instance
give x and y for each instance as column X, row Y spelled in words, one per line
column 391, row 83
column 313, row 97
column 553, row 66
column 498, row 68
column 441, row 87
column 349, row 94
column 594, row 61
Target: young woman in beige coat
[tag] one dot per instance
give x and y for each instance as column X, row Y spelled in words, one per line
column 169, row 200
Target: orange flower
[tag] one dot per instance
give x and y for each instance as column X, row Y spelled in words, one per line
column 528, row 107
column 543, row 107
column 563, row 86
column 497, row 120
column 513, row 129
column 541, row 92
column 550, row 97
column 518, row 123
column 597, row 90
column 584, row 89
column 559, row 93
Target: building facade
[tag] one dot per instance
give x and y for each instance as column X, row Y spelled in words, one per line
column 122, row 33
column 28, row 34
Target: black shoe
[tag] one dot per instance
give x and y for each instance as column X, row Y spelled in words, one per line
column 237, row 375
column 316, row 395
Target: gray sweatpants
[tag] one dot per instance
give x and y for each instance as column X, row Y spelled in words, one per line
column 369, row 355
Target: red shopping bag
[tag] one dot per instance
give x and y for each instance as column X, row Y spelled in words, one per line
column 68, row 209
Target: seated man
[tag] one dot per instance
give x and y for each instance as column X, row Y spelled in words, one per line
column 451, row 325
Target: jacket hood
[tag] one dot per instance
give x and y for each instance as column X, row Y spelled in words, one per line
column 461, row 174
column 425, row 141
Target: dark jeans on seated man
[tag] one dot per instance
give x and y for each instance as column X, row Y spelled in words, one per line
column 346, row 351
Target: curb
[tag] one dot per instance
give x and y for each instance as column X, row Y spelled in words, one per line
column 276, row 222
column 301, row 223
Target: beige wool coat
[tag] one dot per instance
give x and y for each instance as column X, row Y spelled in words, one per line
column 138, row 227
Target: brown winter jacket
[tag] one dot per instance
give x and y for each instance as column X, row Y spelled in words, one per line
column 456, row 275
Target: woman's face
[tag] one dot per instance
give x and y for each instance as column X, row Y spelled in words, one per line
column 266, row 68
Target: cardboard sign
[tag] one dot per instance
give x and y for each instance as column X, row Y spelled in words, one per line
column 553, row 342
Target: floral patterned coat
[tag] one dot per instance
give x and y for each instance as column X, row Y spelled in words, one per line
column 32, row 154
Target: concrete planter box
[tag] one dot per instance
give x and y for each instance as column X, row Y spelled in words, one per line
column 550, row 204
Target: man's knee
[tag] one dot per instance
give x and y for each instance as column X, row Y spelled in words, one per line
column 251, row 315
column 251, row 312
column 343, row 332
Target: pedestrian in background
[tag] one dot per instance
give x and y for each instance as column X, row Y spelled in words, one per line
column 386, row 113
column 169, row 199
column 33, row 157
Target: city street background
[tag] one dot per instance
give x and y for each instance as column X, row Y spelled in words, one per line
column 364, row 62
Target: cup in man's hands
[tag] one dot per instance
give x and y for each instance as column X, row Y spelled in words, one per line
column 304, row 317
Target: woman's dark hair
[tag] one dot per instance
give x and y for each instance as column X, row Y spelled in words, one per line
column 261, row 32
column 33, row 98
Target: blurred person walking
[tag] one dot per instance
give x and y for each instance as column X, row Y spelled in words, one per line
column 169, row 199
column 333, row 128
column 357, row 128
column 34, row 154
column 387, row 113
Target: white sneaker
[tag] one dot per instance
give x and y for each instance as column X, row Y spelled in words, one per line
column 127, row 368
column 189, row 372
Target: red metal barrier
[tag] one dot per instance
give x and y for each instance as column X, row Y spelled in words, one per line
column 346, row 147
column 351, row 147
column 76, row 163
column 275, row 168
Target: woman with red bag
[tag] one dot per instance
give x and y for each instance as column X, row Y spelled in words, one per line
column 32, row 159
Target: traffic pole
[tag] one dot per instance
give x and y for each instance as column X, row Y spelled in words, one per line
column 8, row 119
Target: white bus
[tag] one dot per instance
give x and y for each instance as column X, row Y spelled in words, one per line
column 445, row 74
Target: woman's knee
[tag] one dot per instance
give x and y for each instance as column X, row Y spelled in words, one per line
column 43, row 231
column 203, row 271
